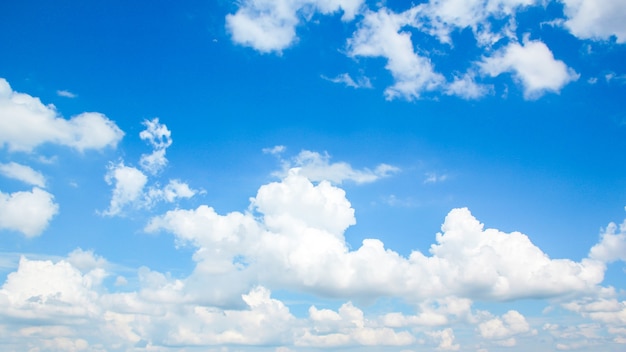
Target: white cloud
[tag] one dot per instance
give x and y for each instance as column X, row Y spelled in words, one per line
column 612, row 245
column 596, row 19
column 27, row 212
column 347, row 327
column 441, row 17
column 173, row 191
column 129, row 183
column 446, row 340
column 160, row 138
column 270, row 25
column 292, row 238
column 379, row 35
column 66, row 94
column 26, row 123
column 23, row 173
column 317, row 167
column 533, row 65
column 467, row 88
column 345, row 79
column 297, row 242
column 503, row 329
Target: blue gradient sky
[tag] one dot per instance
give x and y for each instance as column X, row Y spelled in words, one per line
column 420, row 112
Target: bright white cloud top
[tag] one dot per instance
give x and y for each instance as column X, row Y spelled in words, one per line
column 455, row 204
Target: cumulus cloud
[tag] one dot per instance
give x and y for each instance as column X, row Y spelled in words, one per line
column 612, row 246
column 270, row 25
column 503, row 329
column 292, row 238
column 596, row 19
column 533, row 64
column 299, row 233
column 26, row 123
column 317, row 167
column 23, row 173
column 28, row 212
column 348, row 326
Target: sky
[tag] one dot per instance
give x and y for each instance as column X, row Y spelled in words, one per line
column 313, row 175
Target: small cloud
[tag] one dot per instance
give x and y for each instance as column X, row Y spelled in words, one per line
column 66, row 94
column 432, row 177
column 344, row 78
column 274, row 150
column 613, row 77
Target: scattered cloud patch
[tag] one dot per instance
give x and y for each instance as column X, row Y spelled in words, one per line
column 433, row 177
column 533, row 65
column 26, row 123
column 270, row 26
column 160, row 138
column 612, row 245
column 596, row 19
column 28, row 212
column 130, row 184
column 23, row 173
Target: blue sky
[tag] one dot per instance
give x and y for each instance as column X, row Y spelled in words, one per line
column 308, row 175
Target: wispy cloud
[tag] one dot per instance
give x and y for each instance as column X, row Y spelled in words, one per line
column 66, row 94
column 344, row 78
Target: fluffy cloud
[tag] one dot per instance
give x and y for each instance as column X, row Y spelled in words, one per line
column 612, row 246
column 596, row 19
column 270, row 25
column 533, row 65
column 28, row 212
column 446, row 340
column 160, row 138
column 23, row 173
column 129, row 189
column 26, row 123
column 292, row 238
column 299, row 233
column 379, row 35
column 348, row 326
column 503, row 329
column 130, row 184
